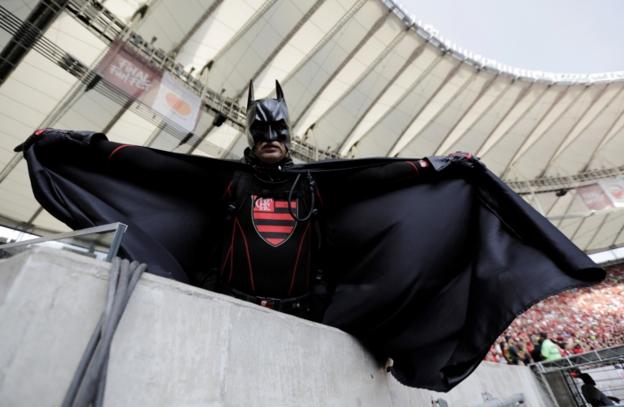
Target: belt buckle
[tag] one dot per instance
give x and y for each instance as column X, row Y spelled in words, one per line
column 267, row 303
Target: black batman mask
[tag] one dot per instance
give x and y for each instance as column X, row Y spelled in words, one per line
column 267, row 119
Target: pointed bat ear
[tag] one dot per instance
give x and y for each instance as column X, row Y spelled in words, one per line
column 278, row 91
column 250, row 95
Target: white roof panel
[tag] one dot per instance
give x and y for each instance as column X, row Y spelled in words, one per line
column 18, row 202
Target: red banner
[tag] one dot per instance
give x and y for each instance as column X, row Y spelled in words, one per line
column 594, row 197
column 130, row 72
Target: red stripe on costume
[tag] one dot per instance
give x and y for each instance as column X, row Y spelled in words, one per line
column 319, row 196
column 272, row 228
column 116, row 150
column 228, row 190
column 414, row 167
column 284, row 204
column 272, row 216
column 251, row 277
column 294, row 272
column 230, row 253
column 276, row 241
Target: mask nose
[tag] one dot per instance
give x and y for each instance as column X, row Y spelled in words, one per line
column 272, row 135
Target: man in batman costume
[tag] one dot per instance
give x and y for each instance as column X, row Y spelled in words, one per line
column 270, row 248
column 428, row 260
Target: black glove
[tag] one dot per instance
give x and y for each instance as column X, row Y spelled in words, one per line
column 50, row 136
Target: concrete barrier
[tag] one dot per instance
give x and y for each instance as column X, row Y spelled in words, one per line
column 178, row 345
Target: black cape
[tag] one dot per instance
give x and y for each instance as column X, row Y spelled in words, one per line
column 428, row 272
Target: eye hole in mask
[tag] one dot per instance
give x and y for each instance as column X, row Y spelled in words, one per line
column 259, row 127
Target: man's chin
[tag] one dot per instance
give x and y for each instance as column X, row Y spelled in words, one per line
column 270, row 158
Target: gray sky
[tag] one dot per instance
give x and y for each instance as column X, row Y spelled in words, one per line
column 562, row 36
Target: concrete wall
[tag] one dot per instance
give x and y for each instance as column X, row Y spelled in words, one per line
column 181, row 346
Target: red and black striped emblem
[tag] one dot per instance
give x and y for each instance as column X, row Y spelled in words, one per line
column 272, row 220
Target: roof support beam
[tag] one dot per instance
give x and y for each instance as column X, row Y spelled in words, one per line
column 204, row 135
column 609, row 134
column 533, row 135
column 326, row 38
column 243, row 30
column 350, row 140
column 369, row 69
column 439, row 111
column 477, row 119
column 404, row 138
column 13, row 162
column 285, row 40
column 374, row 29
column 580, row 225
column 617, row 237
column 519, row 119
column 523, row 93
column 567, row 210
column 551, row 207
column 447, row 140
column 573, row 135
column 204, row 17
column 409, row 90
column 37, row 22
column 555, row 154
column 597, row 231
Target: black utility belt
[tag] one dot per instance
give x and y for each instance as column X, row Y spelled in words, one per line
column 287, row 305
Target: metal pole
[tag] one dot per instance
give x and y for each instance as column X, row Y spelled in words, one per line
column 546, row 384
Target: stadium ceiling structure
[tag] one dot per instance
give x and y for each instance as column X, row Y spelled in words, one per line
column 361, row 79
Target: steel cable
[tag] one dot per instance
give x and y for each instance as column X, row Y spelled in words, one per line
column 88, row 384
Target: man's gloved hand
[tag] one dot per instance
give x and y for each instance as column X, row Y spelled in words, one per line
column 50, row 136
column 462, row 155
column 33, row 138
column 457, row 158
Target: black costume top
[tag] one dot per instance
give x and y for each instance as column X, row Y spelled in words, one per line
column 266, row 251
column 429, row 267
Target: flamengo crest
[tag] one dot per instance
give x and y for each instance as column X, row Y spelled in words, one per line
column 272, row 220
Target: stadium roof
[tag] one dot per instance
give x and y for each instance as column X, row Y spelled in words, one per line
column 360, row 77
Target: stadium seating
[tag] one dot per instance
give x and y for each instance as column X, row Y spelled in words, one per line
column 579, row 320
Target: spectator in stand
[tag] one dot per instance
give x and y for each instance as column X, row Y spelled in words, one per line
column 524, row 358
column 513, row 358
column 582, row 319
column 536, row 354
column 548, row 349
column 505, row 351
column 577, row 349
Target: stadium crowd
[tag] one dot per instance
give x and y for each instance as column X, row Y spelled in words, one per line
column 573, row 322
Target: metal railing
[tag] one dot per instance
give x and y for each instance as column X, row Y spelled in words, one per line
column 560, row 377
column 101, row 242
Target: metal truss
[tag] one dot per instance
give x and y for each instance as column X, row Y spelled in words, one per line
column 563, row 183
